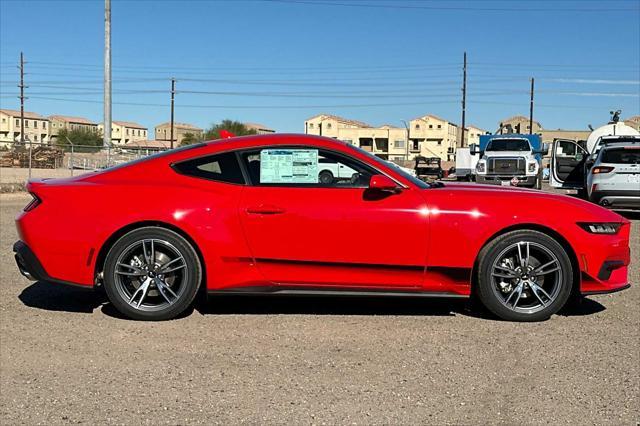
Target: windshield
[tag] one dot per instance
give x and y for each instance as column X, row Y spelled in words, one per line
column 508, row 145
column 419, row 183
column 630, row 155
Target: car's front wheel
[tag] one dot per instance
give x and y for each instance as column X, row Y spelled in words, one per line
column 524, row 275
column 152, row 273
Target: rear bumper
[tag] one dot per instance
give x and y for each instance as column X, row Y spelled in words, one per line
column 30, row 267
column 617, row 199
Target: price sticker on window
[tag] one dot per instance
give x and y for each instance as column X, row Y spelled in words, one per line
column 289, row 166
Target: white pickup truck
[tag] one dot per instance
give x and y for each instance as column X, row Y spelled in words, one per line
column 509, row 160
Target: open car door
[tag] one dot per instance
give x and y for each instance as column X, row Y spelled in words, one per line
column 567, row 168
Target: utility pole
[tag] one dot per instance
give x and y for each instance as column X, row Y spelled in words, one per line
column 531, row 110
column 22, row 87
column 464, row 97
column 173, row 92
column 106, row 141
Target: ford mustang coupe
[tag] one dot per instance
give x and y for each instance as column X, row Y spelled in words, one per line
column 251, row 215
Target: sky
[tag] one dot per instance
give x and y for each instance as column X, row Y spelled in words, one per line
column 279, row 62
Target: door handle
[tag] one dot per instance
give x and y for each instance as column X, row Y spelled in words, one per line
column 265, row 209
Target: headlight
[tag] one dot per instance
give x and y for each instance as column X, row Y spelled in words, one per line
column 532, row 167
column 480, row 167
column 601, row 228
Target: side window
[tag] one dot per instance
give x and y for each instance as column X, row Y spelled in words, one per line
column 305, row 167
column 220, row 167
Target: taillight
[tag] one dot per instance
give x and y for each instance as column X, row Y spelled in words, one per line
column 601, row 169
column 33, row 203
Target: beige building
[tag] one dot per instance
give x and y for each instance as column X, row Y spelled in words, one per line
column 260, row 129
column 59, row 122
column 473, row 135
column 520, row 124
column 163, row 132
column 36, row 127
column 123, row 132
column 517, row 124
column 428, row 136
column 633, row 122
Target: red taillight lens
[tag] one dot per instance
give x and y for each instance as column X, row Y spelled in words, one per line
column 33, row 203
column 601, row 169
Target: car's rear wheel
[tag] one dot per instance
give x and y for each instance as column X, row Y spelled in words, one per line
column 152, row 273
column 524, row 275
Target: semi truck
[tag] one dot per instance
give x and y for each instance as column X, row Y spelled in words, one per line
column 510, row 160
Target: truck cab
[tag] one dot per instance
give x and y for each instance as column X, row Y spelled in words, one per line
column 509, row 160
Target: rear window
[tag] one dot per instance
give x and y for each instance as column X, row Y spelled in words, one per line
column 621, row 155
column 219, row 167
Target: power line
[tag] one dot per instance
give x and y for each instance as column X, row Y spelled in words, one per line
column 397, row 6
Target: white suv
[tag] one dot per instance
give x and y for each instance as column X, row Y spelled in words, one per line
column 614, row 179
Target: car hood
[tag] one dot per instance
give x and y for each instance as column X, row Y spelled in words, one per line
column 525, row 202
column 506, row 154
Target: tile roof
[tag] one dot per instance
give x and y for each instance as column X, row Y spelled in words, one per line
column 180, row 126
column 129, row 124
column 31, row 115
column 150, row 144
column 69, row 119
column 341, row 120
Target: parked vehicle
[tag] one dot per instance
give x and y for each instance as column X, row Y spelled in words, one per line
column 465, row 164
column 412, row 172
column 572, row 160
column 429, row 167
column 330, row 170
column 510, row 160
column 249, row 215
column 614, row 179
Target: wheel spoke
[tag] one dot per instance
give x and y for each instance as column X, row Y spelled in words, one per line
column 524, row 260
column 535, row 288
column 142, row 290
column 516, row 291
column 163, row 289
column 501, row 275
column 136, row 272
column 171, row 266
column 506, row 269
column 540, row 270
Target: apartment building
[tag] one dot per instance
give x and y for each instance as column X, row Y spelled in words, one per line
column 633, row 122
column 260, row 129
column 36, row 127
column 123, row 132
column 520, row 124
column 59, row 122
column 163, row 132
column 428, row 136
column 472, row 135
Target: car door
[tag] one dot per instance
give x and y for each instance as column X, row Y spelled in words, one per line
column 567, row 167
column 302, row 232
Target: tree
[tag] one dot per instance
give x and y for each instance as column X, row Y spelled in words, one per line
column 190, row 139
column 82, row 139
column 235, row 127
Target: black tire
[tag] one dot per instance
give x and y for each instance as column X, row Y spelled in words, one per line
column 325, row 177
column 558, row 284
column 185, row 273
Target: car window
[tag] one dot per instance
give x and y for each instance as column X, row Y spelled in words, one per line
column 305, row 167
column 630, row 155
column 219, row 167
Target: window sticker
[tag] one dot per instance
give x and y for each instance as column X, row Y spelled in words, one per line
column 289, row 166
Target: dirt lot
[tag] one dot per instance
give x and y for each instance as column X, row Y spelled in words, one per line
column 66, row 357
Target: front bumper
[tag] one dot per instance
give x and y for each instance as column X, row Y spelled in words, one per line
column 30, row 267
column 498, row 179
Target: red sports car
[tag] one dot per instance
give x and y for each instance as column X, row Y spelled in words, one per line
column 251, row 215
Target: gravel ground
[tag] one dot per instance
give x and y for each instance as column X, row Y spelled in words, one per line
column 66, row 357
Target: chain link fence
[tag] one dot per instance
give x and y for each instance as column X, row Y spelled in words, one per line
column 22, row 161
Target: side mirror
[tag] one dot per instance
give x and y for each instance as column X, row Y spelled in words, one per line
column 544, row 150
column 383, row 183
column 473, row 149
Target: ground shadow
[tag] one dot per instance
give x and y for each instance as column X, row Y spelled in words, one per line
column 56, row 297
